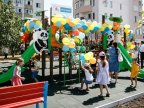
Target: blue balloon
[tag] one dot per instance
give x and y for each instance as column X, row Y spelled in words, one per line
column 107, row 29
column 36, row 26
column 85, row 27
column 58, row 23
column 82, row 57
column 32, row 24
column 67, row 27
column 74, row 27
column 96, row 28
column 79, row 25
column 78, row 48
column 65, row 48
column 130, row 35
column 81, row 35
column 72, row 50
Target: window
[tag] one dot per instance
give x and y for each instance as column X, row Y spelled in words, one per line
column 111, row 4
column 26, row 11
column 111, row 15
column 140, row 3
column 120, row 6
column 135, row 19
column 93, row 2
column 18, row 1
column 105, row 3
column 38, row 5
column 28, row 3
column 19, row 10
column 89, row 16
column 93, row 16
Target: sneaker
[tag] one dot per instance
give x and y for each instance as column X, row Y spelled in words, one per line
column 107, row 95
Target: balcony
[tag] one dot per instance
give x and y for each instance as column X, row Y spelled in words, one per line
column 84, row 9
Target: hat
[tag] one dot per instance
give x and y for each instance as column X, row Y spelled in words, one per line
column 86, row 64
column 101, row 53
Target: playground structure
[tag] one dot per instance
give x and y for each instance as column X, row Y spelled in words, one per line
column 72, row 41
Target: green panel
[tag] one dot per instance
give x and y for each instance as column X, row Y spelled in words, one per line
column 26, row 56
column 104, row 42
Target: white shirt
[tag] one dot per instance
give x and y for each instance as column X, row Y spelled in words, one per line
column 88, row 75
column 6, row 50
column 142, row 48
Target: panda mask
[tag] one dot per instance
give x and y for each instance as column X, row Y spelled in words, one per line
column 110, row 37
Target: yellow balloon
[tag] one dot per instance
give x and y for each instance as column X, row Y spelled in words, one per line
column 132, row 46
column 110, row 26
column 87, row 56
column 92, row 61
column 91, row 53
column 63, row 21
column 54, row 19
column 91, row 28
column 65, row 41
column 86, row 31
column 127, row 26
column 71, row 45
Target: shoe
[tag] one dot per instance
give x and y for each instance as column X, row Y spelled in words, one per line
column 100, row 95
column 107, row 95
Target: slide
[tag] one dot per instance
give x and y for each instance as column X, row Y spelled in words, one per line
column 26, row 56
column 127, row 60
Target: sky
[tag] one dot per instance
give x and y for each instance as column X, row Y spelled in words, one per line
column 60, row 2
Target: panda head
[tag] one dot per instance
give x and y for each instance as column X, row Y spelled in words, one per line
column 40, row 34
column 110, row 36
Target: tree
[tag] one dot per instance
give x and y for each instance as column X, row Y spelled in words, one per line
column 10, row 25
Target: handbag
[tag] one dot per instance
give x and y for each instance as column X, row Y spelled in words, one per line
column 120, row 57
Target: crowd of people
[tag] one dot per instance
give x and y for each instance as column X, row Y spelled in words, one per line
column 106, row 69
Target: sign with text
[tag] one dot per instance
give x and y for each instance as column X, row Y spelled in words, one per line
column 61, row 10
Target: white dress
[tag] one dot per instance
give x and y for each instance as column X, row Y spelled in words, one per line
column 103, row 75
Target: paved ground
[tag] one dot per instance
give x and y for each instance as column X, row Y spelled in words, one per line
column 70, row 97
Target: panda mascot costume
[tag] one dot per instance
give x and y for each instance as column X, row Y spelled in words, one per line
column 110, row 38
column 40, row 40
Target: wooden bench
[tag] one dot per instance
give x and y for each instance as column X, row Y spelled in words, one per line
column 27, row 94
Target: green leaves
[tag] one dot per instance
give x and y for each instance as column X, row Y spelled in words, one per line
column 10, row 25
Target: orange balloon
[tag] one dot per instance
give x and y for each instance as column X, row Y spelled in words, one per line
column 81, row 30
column 71, row 24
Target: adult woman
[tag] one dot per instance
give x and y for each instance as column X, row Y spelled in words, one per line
column 113, row 60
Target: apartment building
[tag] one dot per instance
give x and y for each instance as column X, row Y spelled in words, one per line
column 28, row 8
column 129, row 10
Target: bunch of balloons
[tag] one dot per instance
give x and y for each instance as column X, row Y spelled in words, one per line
column 88, row 57
column 127, row 29
column 68, row 45
column 130, row 45
column 106, row 28
column 74, row 24
column 28, row 28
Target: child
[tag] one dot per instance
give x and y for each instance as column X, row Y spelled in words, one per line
column 103, row 74
column 35, row 68
column 134, row 72
column 88, row 76
column 16, row 79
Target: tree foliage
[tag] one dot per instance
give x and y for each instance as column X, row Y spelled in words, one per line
column 10, row 25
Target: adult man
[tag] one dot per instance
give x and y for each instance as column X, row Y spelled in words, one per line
column 142, row 53
column 6, row 52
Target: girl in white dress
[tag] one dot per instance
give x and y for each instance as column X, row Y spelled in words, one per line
column 103, row 77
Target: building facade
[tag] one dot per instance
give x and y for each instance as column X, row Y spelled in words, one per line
column 28, row 8
column 129, row 10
